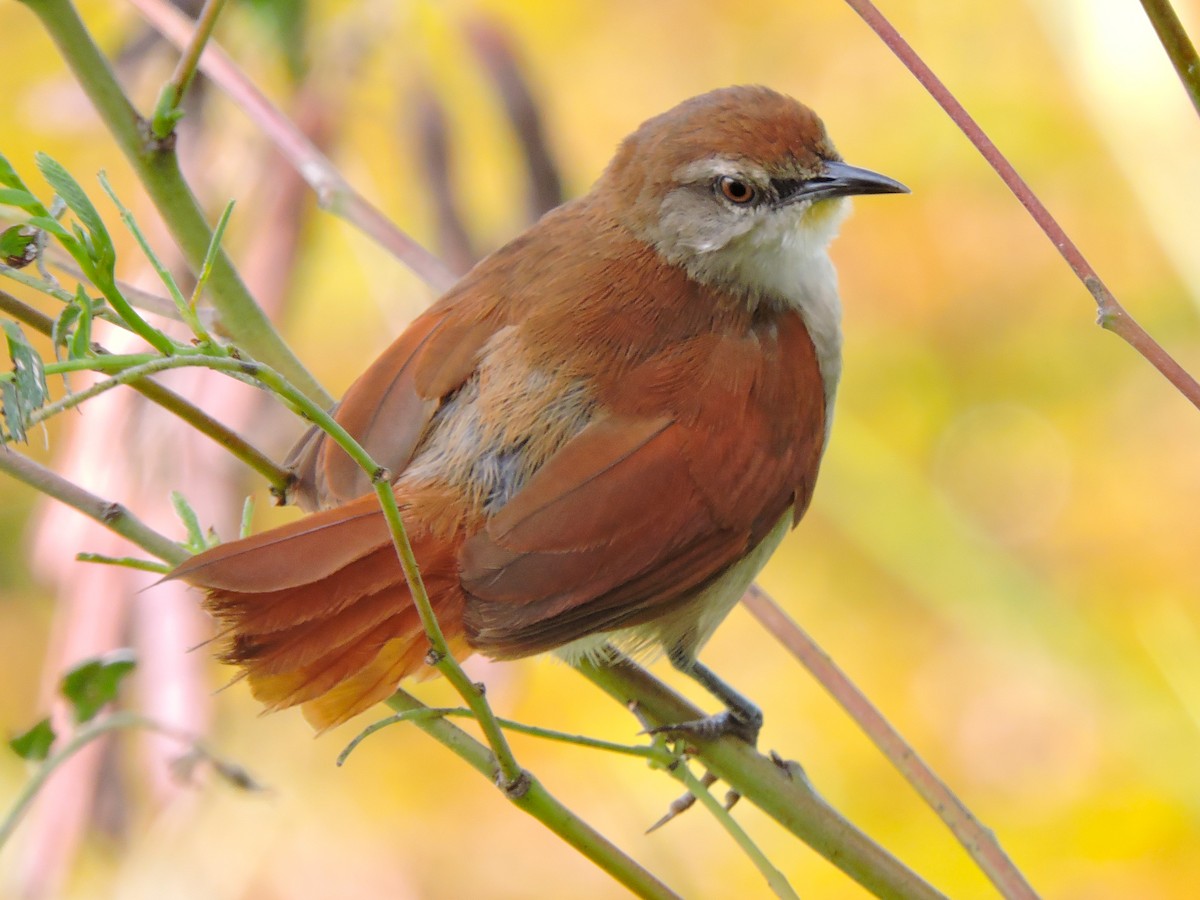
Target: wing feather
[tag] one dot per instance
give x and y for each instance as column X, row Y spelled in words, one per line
column 647, row 505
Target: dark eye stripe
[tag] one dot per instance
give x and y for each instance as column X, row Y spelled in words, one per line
column 786, row 187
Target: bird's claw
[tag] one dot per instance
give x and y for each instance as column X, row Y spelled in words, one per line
column 709, row 728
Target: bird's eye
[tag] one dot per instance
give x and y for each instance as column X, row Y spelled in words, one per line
column 736, row 190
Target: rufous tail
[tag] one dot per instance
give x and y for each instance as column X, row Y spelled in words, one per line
column 318, row 613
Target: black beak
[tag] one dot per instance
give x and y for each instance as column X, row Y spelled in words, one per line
column 837, row 179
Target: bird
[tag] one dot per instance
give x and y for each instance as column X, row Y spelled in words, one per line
column 597, row 437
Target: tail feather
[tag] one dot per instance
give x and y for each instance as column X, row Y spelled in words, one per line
column 292, row 555
column 378, row 681
column 369, row 623
column 374, row 683
column 294, row 686
column 318, row 612
column 289, row 635
column 284, row 610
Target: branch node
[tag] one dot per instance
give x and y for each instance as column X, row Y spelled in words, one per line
column 152, row 144
column 518, row 787
column 279, row 492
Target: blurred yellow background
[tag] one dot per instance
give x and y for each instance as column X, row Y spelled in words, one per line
column 1003, row 547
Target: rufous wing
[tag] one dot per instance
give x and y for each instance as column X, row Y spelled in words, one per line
column 647, row 505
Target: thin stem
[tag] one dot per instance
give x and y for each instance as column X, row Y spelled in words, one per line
column 1112, row 315
column 511, row 775
column 185, row 312
column 167, row 112
column 279, row 477
column 130, row 316
column 778, row 791
column 210, row 259
column 117, row 721
column 1178, row 45
column 112, row 362
column 406, row 716
column 127, row 375
column 45, row 287
column 158, row 169
column 978, row 841
column 333, row 191
column 125, row 562
column 111, row 515
column 775, row 879
column 539, row 803
column 23, row 312
column 646, row 751
column 139, row 297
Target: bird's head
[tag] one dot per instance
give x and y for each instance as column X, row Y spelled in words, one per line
column 739, row 186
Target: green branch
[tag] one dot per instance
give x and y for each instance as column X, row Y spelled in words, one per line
column 278, row 477
column 119, row 721
column 158, row 169
column 698, row 789
column 112, row 516
column 167, row 111
column 537, row 802
column 787, row 798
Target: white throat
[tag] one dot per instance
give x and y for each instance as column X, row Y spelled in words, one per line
column 786, row 259
column 783, row 258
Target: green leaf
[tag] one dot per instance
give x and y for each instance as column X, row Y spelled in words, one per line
column 128, row 562
column 165, row 116
column 27, row 390
column 247, row 517
column 81, row 340
column 10, row 406
column 191, row 522
column 28, row 368
column 52, row 225
column 19, row 246
column 34, row 744
column 72, row 329
column 8, row 175
column 101, row 250
column 22, row 199
column 60, row 331
column 93, row 684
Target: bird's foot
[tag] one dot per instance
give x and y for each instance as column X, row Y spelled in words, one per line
column 742, row 723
